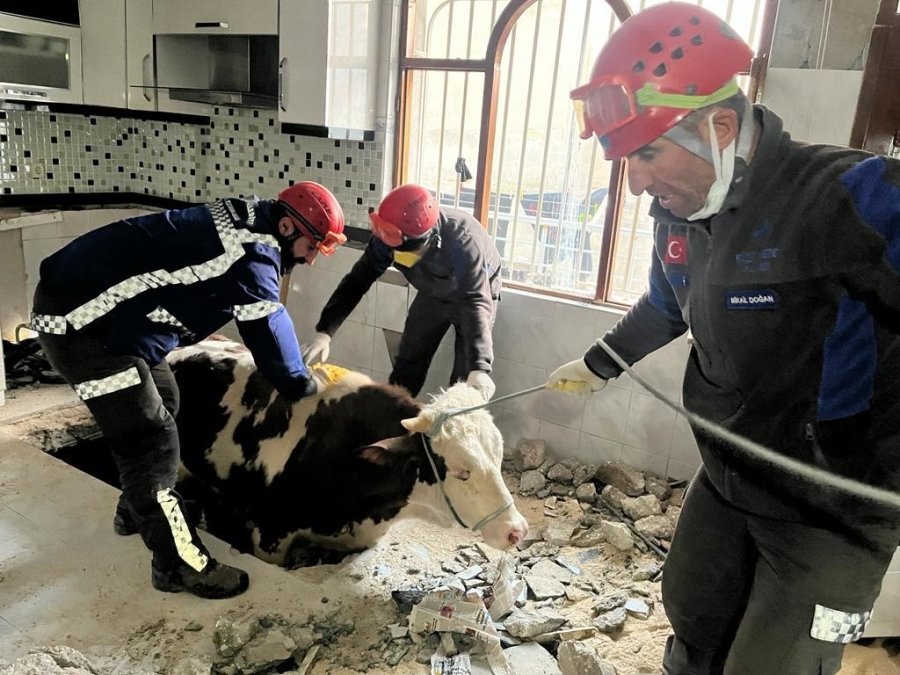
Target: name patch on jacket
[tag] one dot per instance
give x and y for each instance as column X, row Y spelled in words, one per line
column 676, row 250
column 757, row 299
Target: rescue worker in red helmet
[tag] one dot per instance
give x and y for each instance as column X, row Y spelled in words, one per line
column 112, row 303
column 450, row 259
column 783, row 259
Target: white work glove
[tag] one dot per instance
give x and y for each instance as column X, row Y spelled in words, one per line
column 481, row 381
column 317, row 349
column 575, row 377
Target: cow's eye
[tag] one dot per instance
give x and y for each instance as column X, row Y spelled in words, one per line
column 460, row 474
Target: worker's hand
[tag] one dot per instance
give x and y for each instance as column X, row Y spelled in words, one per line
column 575, row 377
column 481, row 381
column 317, row 349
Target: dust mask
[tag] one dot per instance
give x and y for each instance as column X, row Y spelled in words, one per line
column 723, row 165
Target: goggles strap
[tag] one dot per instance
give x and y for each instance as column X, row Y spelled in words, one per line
column 649, row 95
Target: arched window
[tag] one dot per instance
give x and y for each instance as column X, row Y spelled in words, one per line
column 485, row 122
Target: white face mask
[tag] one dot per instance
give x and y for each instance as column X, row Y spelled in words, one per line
column 723, row 165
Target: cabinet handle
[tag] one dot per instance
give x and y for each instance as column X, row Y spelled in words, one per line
column 211, row 24
column 144, row 71
column 281, row 65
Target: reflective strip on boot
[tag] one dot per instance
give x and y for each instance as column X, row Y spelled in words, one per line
column 181, row 533
column 832, row 625
column 107, row 385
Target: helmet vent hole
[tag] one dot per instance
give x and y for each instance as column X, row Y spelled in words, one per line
column 695, row 20
column 691, row 89
column 678, row 53
column 675, row 32
column 638, row 67
column 697, row 40
column 660, row 70
column 656, row 48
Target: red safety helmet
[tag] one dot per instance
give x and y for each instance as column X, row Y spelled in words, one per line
column 406, row 214
column 316, row 213
column 658, row 66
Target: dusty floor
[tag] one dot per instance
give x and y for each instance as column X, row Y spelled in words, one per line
column 355, row 594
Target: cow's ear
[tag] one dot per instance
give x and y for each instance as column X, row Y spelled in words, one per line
column 384, row 452
column 417, row 425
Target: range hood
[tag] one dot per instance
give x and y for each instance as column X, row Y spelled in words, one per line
column 233, row 70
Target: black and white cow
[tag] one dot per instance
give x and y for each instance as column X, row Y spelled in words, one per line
column 338, row 468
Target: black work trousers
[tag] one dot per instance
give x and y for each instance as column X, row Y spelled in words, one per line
column 757, row 596
column 134, row 405
column 427, row 321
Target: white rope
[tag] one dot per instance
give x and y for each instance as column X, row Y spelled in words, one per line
column 799, row 468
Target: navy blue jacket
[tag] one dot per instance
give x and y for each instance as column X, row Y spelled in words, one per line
column 147, row 285
column 792, row 295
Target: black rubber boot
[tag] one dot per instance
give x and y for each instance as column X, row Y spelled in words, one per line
column 216, row 581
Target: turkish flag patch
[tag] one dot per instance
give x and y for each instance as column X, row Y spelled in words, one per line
column 676, row 250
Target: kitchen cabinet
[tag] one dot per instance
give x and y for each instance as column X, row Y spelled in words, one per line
column 236, row 17
column 102, row 36
column 328, row 64
column 139, row 55
column 117, row 53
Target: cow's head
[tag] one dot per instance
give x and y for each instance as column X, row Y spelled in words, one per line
column 471, row 447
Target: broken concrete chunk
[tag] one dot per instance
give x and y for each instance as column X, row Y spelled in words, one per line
column 531, row 659
column 613, row 496
column 659, row 487
column 611, row 622
column 588, row 538
column 580, row 633
column 543, row 588
column 230, row 635
column 523, row 623
column 548, row 568
column 577, row 658
column 559, row 532
column 265, row 652
column 191, row 666
column 641, row 507
column 586, row 492
column 621, row 476
column 638, row 608
column 618, row 535
column 532, row 482
column 646, row 571
column 560, row 473
column 609, row 602
column 659, row 527
column 583, row 473
column 530, row 454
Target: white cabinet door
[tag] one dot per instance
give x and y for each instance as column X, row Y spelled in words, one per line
column 103, row 52
column 329, row 63
column 139, row 55
column 239, row 17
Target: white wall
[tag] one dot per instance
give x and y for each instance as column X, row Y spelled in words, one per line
column 532, row 336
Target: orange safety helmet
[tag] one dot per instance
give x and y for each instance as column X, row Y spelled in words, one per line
column 406, row 214
column 316, row 213
column 658, row 66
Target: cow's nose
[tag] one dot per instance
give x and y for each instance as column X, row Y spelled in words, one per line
column 516, row 535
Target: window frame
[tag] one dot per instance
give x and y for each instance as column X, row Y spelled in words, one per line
column 490, row 68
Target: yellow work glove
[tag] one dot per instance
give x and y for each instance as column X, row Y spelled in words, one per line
column 317, row 349
column 328, row 374
column 576, row 378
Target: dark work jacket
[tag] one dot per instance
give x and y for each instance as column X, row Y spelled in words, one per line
column 461, row 269
column 146, row 285
column 792, row 295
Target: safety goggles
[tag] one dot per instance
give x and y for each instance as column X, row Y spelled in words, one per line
column 326, row 244
column 610, row 103
column 392, row 236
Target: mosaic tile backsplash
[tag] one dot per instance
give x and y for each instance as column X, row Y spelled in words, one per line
column 241, row 153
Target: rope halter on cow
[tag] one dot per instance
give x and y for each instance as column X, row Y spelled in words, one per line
column 429, row 453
